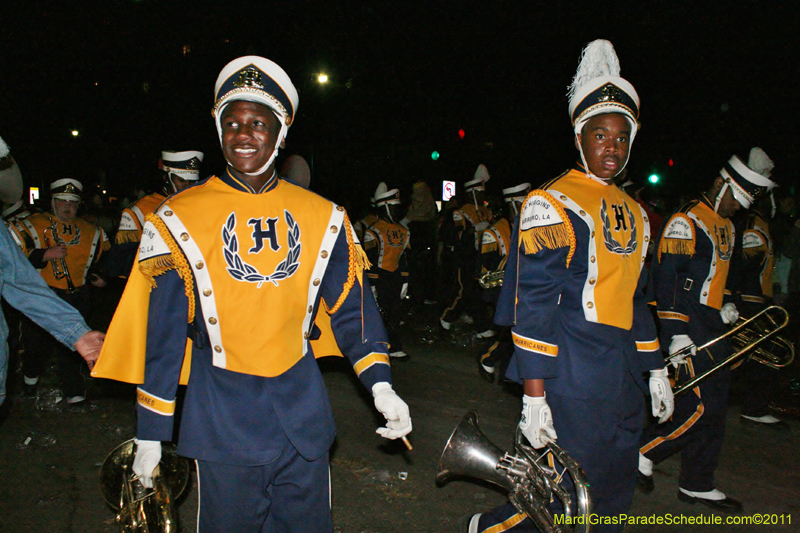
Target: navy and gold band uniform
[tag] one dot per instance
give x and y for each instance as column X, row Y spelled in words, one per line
column 363, row 224
column 385, row 244
column 758, row 261
column 243, row 275
column 495, row 243
column 468, row 216
column 126, row 242
column 573, row 295
column 85, row 243
column 689, row 279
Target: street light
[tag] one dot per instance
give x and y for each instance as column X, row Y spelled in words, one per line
column 322, row 78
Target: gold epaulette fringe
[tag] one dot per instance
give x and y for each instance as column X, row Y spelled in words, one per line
column 676, row 246
column 550, row 237
column 174, row 261
column 358, row 264
column 126, row 236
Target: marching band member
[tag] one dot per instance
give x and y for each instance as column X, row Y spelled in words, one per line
column 243, row 264
column 177, row 170
column 385, row 243
column 10, row 177
column 689, row 277
column 573, row 296
column 65, row 248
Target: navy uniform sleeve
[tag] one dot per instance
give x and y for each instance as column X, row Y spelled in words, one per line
column 357, row 324
column 671, row 272
column 644, row 328
column 166, row 345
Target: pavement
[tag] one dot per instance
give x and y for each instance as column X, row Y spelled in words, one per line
column 51, row 452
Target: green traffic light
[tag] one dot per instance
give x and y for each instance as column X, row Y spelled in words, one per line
column 653, row 178
column 435, row 155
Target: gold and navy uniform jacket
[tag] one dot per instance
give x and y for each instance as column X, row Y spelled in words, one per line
column 363, row 225
column 495, row 244
column 243, row 275
column 85, row 242
column 758, row 260
column 469, row 216
column 573, row 291
column 132, row 220
column 690, row 270
column 385, row 244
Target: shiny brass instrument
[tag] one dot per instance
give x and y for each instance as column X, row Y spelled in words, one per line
column 142, row 510
column 529, row 476
column 755, row 338
column 491, row 279
column 59, row 266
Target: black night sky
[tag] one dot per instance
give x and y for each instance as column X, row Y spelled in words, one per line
column 136, row 77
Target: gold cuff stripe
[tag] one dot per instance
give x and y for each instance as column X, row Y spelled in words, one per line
column 754, row 299
column 532, row 345
column 371, row 359
column 154, row 403
column 648, row 346
column 671, row 315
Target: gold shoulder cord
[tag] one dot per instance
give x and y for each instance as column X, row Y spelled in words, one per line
column 156, row 266
column 357, row 260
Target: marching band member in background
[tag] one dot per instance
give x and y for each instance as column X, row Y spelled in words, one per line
column 689, row 277
column 243, row 264
column 65, row 248
column 385, row 243
column 177, row 171
column 573, row 296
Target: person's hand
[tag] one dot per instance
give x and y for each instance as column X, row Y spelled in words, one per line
column 395, row 410
column 55, row 252
column 481, row 226
column 681, row 347
column 148, row 455
column 97, row 281
column 89, row 346
column 662, row 400
column 404, row 291
column 536, row 422
column 729, row 313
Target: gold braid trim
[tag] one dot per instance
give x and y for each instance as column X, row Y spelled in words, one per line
column 126, row 236
column 357, row 262
column 175, row 261
column 551, row 237
column 677, row 246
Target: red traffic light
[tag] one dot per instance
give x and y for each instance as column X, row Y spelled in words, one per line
column 461, row 134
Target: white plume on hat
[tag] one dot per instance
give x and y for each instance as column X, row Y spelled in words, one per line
column 4, row 149
column 597, row 59
column 760, row 162
column 482, row 173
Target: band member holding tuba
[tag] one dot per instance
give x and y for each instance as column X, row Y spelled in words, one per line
column 65, row 248
column 573, row 296
column 690, row 278
column 245, row 264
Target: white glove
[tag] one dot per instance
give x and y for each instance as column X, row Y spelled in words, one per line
column 679, row 342
column 536, row 422
column 398, row 420
column 148, row 455
column 661, row 397
column 404, row 291
column 729, row 313
column 480, row 226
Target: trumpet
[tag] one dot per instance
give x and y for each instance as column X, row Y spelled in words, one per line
column 143, row 510
column 754, row 338
column 59, row 266
column 491, row 279
column 530, row 477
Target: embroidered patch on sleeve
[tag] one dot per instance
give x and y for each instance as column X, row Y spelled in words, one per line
column 544, row 224
column 678, row 236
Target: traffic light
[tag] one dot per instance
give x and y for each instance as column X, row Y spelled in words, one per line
column 434, row 155
column 461, row 133
column 653, row 178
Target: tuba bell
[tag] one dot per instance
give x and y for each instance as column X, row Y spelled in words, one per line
column 142, row 510
column 755, row 338
column 532, row 478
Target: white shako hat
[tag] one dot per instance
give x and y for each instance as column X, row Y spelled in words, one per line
column 385, row 196
column 597, row 88
column 746, row 184
column 66, row 189
column 257, row 79
column 517, row 192
column 185, row 165
column 4, row 149
column 478, row 183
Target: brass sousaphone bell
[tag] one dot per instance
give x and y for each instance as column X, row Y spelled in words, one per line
column 533, row 478
column 143, row 510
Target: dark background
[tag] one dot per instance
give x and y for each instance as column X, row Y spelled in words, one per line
column 137, row 77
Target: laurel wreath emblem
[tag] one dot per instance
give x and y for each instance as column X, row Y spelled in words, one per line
column 612, row 245
column 241, row 271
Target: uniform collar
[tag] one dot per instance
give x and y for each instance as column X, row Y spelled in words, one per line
column 231, row 180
